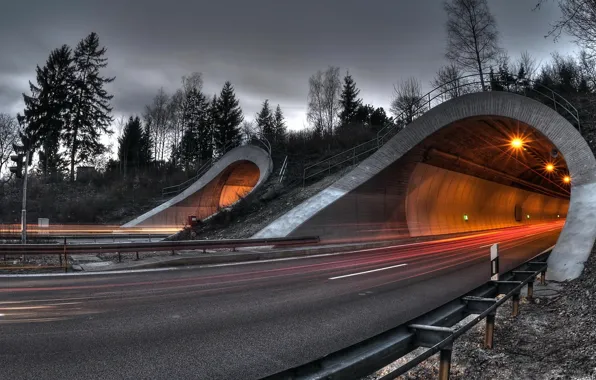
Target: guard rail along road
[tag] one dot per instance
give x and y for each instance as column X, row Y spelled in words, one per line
column 432, row 330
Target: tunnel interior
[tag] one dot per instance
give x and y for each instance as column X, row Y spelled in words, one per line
column 228, row 187
column 478, row 173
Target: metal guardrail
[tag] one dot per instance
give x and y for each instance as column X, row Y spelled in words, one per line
column 438, row 95
column 64, row 250
column 50, row 236
column 432, row 330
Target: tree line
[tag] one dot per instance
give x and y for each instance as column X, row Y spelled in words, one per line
column 68, row 109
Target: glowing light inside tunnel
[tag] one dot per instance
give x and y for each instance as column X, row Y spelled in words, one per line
column 567, row 179
column 517, row 143
column 466, row 217
column 550, row 167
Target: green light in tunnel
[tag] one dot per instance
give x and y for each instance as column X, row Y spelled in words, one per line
column 466, row 217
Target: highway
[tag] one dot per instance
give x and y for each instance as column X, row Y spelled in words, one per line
column 238, row 321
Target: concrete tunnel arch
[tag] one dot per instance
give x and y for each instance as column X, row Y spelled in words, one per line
column 579, row 233
column 235, row 175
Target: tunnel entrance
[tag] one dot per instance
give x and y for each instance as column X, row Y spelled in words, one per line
column 232, row 184
column 366, row 202
column 476, row 174
column 483, row 173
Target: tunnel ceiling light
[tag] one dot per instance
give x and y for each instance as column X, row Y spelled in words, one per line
column 567, row 179
column 550, row 167
column 517, row 143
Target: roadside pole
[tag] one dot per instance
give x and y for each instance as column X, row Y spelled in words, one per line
column 24, row 209
column 494, row 262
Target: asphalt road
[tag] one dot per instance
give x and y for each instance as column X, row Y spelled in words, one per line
column 237, row 321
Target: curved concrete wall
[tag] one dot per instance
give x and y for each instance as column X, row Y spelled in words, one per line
column 233, row 176
column 577, row 238
column 437, row 200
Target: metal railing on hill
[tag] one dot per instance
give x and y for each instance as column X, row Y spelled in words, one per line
column 460, row 86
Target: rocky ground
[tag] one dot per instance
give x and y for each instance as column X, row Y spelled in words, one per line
column 553, row 338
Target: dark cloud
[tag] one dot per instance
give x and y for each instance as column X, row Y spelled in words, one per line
column 267, row 48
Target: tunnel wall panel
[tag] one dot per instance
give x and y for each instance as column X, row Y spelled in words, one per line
column 437, row 210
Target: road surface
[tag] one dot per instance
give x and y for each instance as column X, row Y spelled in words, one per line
column 237, row 321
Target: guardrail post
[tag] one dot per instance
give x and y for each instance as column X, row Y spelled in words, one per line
column 530, row 295
column 543, row 278
column 137, row 255
column 489, row 333
column 445, row 363
column 65, row 258
column 119, row 257
column 515, row 305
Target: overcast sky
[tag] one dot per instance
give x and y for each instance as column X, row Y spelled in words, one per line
column 266, row 48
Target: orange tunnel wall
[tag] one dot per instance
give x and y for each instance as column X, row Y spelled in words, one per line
column 224, row 190
column 437, row 200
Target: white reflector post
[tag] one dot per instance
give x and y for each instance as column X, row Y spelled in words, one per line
column 494, row 262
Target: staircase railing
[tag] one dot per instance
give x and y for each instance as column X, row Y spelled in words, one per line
column 439, row 95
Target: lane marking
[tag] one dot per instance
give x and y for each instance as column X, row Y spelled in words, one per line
column 488, row 245
column 368, row 271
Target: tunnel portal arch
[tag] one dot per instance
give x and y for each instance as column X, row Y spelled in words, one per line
column 577, row 238
column 235, row 175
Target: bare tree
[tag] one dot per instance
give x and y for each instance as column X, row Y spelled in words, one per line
column 450, row 81
column 528, row 63
column 316, row 111
column 588, row 67
column 472, row 36
column 323, row 99
column 193, row 81
column 9, row 134
column 578, row 19
column 157, row 116
column 249, row 130
column 407, row 103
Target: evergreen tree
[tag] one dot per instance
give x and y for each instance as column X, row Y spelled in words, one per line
column 130, row 146
column 279, row 125
column 264, row 120
column 90, row 104
column 349, row 100
column 196, row 145
column 228, row 117
column 46, row 109
column 495, row 83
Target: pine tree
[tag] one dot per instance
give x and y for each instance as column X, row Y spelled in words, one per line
column 196, row 145
column 264, row 120
column 90, row 103
column 227, row 120
column 130, row 151
column 349, row 100
column 279, row 125
column 46, row 109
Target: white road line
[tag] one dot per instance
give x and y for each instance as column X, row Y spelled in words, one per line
column 488, row 245
column 368, row 271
